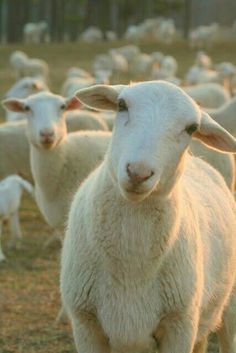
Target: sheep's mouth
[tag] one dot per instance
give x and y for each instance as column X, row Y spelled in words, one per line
column 47, row 144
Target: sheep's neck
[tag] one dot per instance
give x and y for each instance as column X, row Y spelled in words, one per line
column 141, row 234
column 46, row 167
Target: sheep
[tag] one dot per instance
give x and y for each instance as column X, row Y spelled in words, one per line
column 22, row 89
column 203, row 60
column 35, row 32
column 167, row 31
column 149, row 253
column 91, row 35
column 59, row 161
column 25, row 66
column 225, row 115
column 129, row 51
column 203, row 36
column 209, row 95
column 10, row 197
column 14, row 146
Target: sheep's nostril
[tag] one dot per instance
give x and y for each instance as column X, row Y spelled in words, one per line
column 138, row 172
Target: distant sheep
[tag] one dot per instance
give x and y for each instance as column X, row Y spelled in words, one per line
column 25, row 66
column 208, row 95
column 22, row 89
column 10, row 197
column 148, row 260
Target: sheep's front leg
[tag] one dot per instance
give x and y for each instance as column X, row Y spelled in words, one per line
column 15, row 231
column 179, row 336
column 88, row 334
column 2, row 256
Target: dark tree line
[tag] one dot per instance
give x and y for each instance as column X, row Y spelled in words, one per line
column 73, row 16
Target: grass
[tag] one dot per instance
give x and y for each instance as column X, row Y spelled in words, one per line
column 29, row 297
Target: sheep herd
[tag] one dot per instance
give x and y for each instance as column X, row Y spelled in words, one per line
column 137, row 181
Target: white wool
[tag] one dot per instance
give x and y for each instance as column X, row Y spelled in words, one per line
column 209, row 95
column 36, row 32
column 11, row 189
column 148, row 259
column 91, row 34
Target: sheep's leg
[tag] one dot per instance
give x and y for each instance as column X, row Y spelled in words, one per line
column 227, row 330
column 55, row 237
column 88, row 334
column 201, row 346
column 180, row 336
column 2, row 256
column 15, row 230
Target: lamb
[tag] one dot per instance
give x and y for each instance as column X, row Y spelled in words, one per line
column 11, row 189
column 14, row 146
column 149, row 253
column 167, row 31
column 209, row 95
column 22, row 89
column 25, row 66
column 59, row 161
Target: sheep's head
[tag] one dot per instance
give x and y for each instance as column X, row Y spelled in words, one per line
column 25, row 87
column 45, row 113
column 154, row 125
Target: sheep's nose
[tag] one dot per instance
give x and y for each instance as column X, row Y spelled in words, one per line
column 46, row 134
column 138, row 172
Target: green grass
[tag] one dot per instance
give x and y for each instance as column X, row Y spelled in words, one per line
column 29, row 297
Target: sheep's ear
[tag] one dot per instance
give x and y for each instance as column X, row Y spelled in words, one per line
column 100, row 97
column 72, row 103
column 37, row 85
column 214, row 135
column 14, row 105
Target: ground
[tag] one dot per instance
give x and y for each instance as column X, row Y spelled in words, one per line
column 29, row 296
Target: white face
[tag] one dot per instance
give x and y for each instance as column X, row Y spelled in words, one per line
column 152, row 131
column 46, row 123
column 45, row 113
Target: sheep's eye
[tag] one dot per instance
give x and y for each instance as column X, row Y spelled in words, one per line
column 63, row 106
column 27, row 108
column 122, row 105
column 191, row 128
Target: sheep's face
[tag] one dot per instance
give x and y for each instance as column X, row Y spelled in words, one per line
column 45, row 113
column 25, row 87
column 152, row 131
column 154, row 126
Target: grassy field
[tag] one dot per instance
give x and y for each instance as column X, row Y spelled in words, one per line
column 29, row 298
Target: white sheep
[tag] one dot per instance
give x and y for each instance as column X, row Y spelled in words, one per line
column 148, row 259
column 22, row 89
column 91, row 35
column 167, row 31
column 129, row 51
column 14, row 146
column 25, row 66
column 11, row 189
column 203, row 36
column 35, row 32
column 226, row 115
column 203, row 60
column 59, row 161
column 209, row 95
